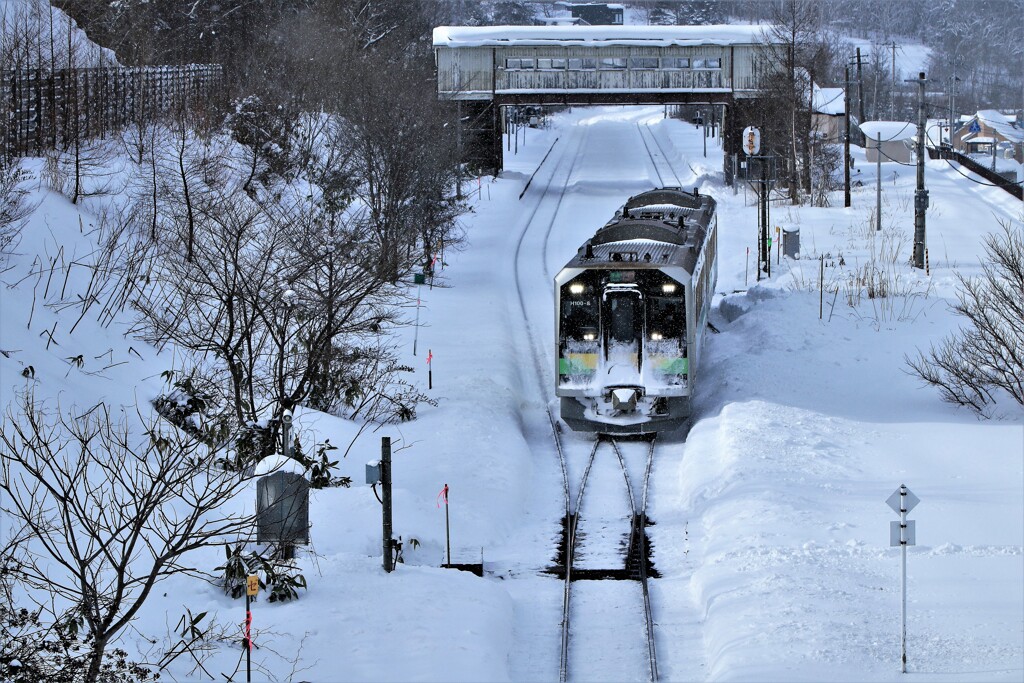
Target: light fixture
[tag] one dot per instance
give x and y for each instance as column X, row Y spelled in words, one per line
column 668, row 288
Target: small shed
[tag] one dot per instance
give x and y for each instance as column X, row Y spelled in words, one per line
column 895, row 137
column 828, row 113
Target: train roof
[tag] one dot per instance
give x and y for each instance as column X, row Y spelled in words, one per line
column 663, row 227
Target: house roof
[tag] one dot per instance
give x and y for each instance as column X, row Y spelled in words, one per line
column 1001, row 124
column 829, row 101
column 653, row 36
column 890, row 131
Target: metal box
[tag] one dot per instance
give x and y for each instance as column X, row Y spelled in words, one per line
column 373, row 472
column 282, row 509
column 791, row 242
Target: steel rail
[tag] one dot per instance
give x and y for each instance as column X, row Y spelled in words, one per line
column 636, row 536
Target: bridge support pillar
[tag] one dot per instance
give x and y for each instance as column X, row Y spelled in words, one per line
column 479, row 133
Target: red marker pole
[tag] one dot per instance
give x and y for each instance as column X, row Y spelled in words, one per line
column 430, row 369
column 447, row 524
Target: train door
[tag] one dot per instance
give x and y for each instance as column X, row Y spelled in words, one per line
column 623, row 329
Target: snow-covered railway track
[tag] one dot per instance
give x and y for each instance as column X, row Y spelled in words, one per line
column 602, row 588
column 660, row 161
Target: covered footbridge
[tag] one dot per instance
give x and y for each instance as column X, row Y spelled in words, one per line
column 483, row 68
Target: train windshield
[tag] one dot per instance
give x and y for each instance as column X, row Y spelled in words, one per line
column 666, row 333
column 579, row 321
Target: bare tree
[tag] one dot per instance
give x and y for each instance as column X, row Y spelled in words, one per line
column 985, row 359
column 103, row 512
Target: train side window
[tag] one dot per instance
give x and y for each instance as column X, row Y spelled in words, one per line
column 544, row 63
column 513, row 63
column 527, row 63
column 558, row 63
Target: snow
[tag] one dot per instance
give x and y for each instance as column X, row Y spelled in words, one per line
column 771, row 528
column 829, row 101
column 655, row 36
column 891, row 131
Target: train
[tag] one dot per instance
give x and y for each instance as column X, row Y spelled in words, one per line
column 631, row 315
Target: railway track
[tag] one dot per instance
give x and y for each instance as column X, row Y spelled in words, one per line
column 635, row 569
column 663, row 167
column 622, row 576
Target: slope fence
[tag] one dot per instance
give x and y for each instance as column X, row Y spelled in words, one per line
column 42, row 109
column 997, row 179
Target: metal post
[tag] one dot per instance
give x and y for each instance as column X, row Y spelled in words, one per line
column 903, row 576
column 385, row 482
column 892, row 96
column 878, row 186
column 846, row 141
column 447, row 526
column 248, row 639
column 921, row 194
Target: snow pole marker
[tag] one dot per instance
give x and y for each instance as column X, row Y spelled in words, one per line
column 416, row 332
column 447, row 523
column 430, row 369
column 903, row 533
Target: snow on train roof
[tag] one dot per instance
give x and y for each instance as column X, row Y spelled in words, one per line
column 653, row 36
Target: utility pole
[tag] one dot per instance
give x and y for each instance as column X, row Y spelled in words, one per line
column 860, row 89
column 846, row 141
column 921, row 194
column 892, row 98
column 385, row 483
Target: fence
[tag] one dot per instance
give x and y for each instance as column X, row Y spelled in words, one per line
column 985, row 172
column 46, row 109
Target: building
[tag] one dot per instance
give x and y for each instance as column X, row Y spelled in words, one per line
column 895, row 138
column 828, row 117
column 595, row 13
column 987, row 128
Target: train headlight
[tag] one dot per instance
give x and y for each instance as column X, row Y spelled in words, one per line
column 589, row 336
column 656, row 336
column 668, row 288
column 576, row 288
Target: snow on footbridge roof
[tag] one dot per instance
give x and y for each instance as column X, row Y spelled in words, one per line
column 651, row 36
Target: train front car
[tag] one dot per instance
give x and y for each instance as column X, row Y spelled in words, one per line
column 631, row 315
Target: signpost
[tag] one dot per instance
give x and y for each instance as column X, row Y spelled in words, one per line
column 252, row 587
column 903, row 533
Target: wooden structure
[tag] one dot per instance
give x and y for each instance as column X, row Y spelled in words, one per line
column 485, row 68
column 46, row 109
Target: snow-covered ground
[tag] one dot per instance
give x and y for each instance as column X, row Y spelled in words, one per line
column 771, row 530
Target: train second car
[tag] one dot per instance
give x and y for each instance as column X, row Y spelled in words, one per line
column 631, row 315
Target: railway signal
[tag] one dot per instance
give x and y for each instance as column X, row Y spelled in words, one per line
column 903, row 533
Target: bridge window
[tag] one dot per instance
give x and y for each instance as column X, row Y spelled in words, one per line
column 675, row 62
column 548, row 64
column 583, row 63
column 711, row 63
column 613, row 63
column 643, row 62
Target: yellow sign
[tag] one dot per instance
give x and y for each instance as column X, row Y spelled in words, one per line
column 252, row 585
